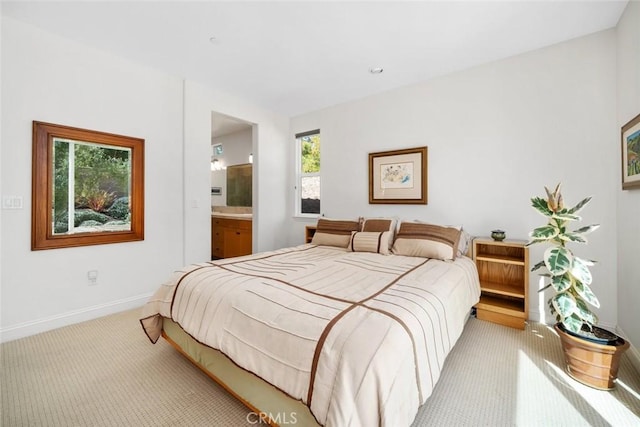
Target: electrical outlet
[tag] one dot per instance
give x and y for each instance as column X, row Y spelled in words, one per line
column 92, row 276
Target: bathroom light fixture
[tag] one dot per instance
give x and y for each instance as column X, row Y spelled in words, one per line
column 376, row 70
column 216, row 150
column 251, row 158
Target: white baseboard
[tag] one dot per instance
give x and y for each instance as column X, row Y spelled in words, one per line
column 633, row 353
column 534, row 316
column 37, row 326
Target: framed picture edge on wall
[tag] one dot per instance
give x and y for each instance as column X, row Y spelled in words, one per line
column 408, row 185
column 630, row 135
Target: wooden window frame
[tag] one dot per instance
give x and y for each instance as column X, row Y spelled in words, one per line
column 42, row 236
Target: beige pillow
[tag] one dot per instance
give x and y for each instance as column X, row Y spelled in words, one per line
column 464, row 243
column 427, row 241
column 379, row 225
column 334, row 232
column 370, row 241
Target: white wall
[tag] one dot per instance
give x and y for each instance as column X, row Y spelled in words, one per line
column 237, row 146
column 628, row 202
column 496, row 135
column 1, row 160
column 52, row 79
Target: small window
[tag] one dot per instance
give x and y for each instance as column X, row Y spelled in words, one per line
column 88, row 187
column 308, row 174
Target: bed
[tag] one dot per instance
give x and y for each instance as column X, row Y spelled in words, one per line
column 319, row 334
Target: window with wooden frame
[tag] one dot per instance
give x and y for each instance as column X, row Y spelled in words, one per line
column 87, row 187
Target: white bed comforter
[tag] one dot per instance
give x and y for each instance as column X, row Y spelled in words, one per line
column 360, row 338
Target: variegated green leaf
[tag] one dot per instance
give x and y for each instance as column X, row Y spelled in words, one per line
column 545, row 288
column 553, row 311
column 579, row 206
column 586, row 294
column 587, row 229
column 588, row 262
column 564, row 304
column 580, row 271
column 573, row 323
column 561, row 283
column 540, row 205
column 537, row 266
column 572, row 237
column 566, row 217
column 545, row 232
column 558, row 260
column 583, row 311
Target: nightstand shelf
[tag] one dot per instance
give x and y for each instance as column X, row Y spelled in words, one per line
column 502, row 289
column 503, row 268
column 510, row 307
column 309, row 231
column 503, row 259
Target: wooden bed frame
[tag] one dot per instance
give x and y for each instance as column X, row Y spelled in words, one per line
column 270, row 404
column 263, row 399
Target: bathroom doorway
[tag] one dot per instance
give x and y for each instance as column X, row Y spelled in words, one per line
column 232, row 186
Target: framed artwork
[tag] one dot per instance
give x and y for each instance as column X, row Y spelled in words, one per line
column 398, row 176
column 631, row 154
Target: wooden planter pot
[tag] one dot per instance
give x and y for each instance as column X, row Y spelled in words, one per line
column 591, row 363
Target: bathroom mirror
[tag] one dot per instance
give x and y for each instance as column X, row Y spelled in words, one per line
column 239, row 185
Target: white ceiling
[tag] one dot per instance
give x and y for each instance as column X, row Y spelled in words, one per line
column 300, row 56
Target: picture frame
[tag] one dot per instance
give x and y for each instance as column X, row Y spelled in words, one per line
column 398, row 176
column 630, row 140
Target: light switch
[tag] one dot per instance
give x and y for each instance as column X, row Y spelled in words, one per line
column 11, row 202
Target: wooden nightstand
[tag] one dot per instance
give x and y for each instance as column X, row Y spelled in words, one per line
column 309, row 231
column 503, row 268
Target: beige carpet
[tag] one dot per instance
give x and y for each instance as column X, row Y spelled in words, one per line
column 104, row 373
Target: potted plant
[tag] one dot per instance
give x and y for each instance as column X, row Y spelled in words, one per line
column 592, row 353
